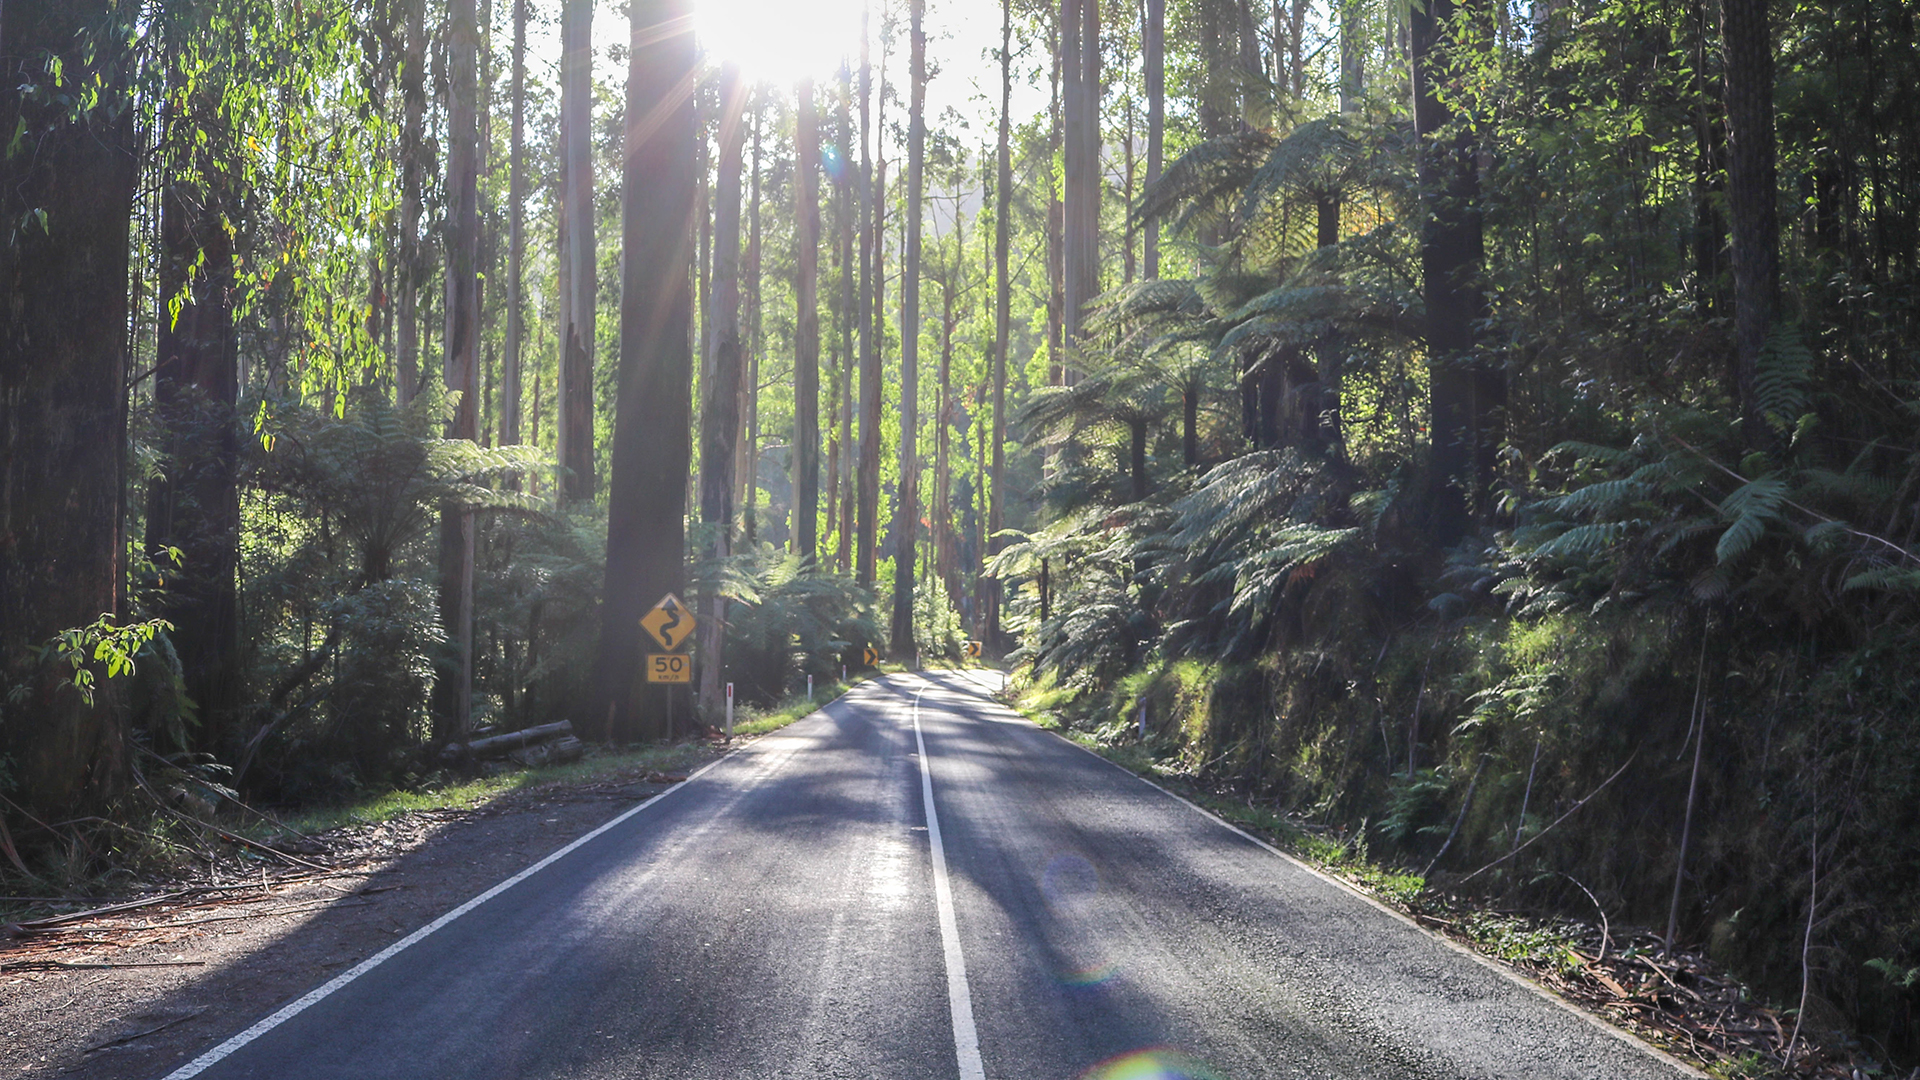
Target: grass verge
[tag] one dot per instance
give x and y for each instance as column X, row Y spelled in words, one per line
column 600, row 764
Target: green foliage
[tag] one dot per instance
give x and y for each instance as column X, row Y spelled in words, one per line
column 103, row 645
column 342, row 566
column 786, row 621
column 937, row 632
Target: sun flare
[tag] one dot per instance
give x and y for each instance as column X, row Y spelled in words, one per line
column 780, row 41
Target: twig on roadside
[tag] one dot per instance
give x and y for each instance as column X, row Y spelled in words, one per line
column 64, row 965
column 220, row 832
column 110, row 909
column 124, row 1039
column 1466, row 804
column 1556, row 821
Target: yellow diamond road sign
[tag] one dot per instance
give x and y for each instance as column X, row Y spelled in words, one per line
column 669, row 623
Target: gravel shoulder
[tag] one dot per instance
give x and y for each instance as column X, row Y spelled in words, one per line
column 133, row 994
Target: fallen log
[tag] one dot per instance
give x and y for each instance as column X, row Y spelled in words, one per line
column 500, row 745
column 558, row 752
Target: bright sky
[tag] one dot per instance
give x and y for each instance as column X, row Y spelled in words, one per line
column 781, row 41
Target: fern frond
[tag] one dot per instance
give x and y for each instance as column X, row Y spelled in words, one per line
column 1782, row 376
column 1753, row 507
column 1896, row 579
column 1584, row 541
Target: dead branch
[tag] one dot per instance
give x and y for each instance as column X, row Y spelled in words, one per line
column 1570, row 812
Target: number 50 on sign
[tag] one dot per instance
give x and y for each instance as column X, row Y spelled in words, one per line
column 669, row 668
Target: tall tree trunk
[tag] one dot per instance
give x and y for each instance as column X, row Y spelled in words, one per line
column 63, row 378
column 579, row 273
column 944, row 559
column 720, row 405
column 193, row 503
column 1709, row 175
column 1128, row 263
column 867, row 509
column 749, row 457
column 1080, row 50
column 806, row 355
column 1466, row 396
column 516, row 235
column 1353, row 54
column 1752, row 189
column 413, row 92
column 487, row 239
column 1255, row 104
column 647, row 493
column 1190, row 421
column 907, row 507
column 1057, row 143
column 844, row 187
column 1156, row 79
column 453, row 683
column 1002, row 311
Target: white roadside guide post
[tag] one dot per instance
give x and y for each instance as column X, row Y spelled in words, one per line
column 809, row 688
column 729, row 712
column 1143, row 721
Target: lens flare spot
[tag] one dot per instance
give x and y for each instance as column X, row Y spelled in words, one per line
column 1090, row 976
column 1069, row 881
column 1157, row 1063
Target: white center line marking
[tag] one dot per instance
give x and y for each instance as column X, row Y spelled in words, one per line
column 292, row 1009
column 966, row 1041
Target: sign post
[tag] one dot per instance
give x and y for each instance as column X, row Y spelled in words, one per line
column 809, row 687
column 729, row 712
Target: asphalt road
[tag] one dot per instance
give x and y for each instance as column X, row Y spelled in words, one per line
column 795, row 911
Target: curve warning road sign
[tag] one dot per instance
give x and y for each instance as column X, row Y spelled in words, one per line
column 669, row 622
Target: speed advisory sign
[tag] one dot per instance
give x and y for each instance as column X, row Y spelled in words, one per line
column 669, row 668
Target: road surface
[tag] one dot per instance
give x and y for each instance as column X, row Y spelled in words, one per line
column 796, row 910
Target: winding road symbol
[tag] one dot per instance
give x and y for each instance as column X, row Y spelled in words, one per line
column 669, row 622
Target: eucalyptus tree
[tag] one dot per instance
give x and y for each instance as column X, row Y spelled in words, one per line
column 1002, row 311
column 66, row 198
column 1080, row 99
column 413, row 155
column 1466, row 395
column 516, row 234
column 840, row 460
column 193, row 504
column 1752, row 196
column 1153, row 39
column 867, row 483
column 806, row 346
column 906, row 519
column 647, row 490
column 460, row 363
column 720, row 398
column 579, row 273
column 844, row 195
column 748, row 467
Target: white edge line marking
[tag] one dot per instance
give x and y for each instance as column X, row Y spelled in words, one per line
column 1502, row 970
column 966, row 1039
column 292, row 1009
